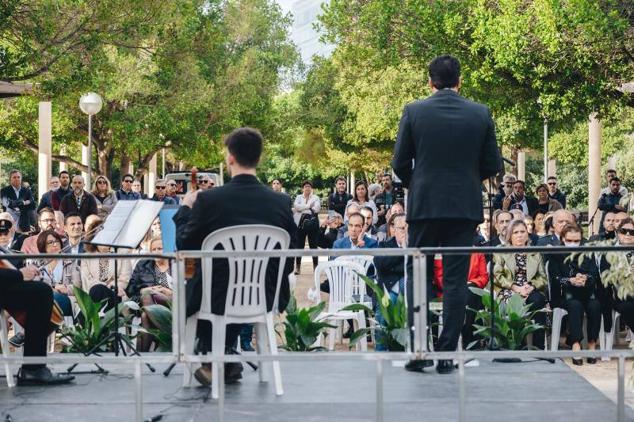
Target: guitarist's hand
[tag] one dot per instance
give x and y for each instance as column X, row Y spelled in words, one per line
column 30, row 272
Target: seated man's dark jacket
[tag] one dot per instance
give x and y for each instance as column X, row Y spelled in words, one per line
column 144, row 275
column 389, row 269
column 235, row 203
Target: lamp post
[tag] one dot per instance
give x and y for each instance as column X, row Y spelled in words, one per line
column 90, row 104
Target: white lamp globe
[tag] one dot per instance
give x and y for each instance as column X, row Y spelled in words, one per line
column 90, row 103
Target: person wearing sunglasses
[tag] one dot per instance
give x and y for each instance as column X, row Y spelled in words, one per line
column 171, row 188
column 205, row 182
column 126, row 193
column 105, row 196
column 160, row 193
column 573, row 286
column 554, row 192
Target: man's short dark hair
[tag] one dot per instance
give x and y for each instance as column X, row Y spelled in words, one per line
column 608, row 171
column 45, row 210
column 127, row 175
column 356, row 214
column 444, row 72
column 615, row 179
column 551, row 178
column 366, row 208
column 63, row 172
column 521, row 182
column 307, row 182
column 245, row 144
column 71, row 215
column 341, row 178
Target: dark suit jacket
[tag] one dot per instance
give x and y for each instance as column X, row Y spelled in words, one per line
column 531, row 203
column 452, row 141
column 243, row 200
column 87, row 207
column 389, row 269
column 25, row 195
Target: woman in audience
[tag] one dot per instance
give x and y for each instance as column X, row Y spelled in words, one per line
column 151, row 283
column 61, row 275
column 106, row 198
column 538, row 224
column 98, row 275
column 545, row 202
column 523, row 274
column 362, row 199
column 573, row 287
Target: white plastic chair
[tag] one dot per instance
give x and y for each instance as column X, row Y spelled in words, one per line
column 246, row 294
column 344, row 283
column 4, row 342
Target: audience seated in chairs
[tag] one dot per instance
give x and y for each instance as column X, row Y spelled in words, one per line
column 523, row 274
column 574, row 288
column 151, row 283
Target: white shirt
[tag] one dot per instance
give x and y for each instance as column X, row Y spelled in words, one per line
column 303, row 206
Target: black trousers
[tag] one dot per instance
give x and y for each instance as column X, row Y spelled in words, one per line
column 576, row 309
column 99, row 292
column 36, row 298
column 473, row 302
column 626, row 309
column 203, row 332
column 444, row 232
column 538, row 301
column 313, row 238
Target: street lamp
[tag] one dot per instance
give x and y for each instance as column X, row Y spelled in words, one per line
column 90, row 104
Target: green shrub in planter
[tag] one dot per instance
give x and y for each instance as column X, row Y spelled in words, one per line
column 301, row 329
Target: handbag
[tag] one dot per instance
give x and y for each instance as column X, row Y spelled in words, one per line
column 308, row 222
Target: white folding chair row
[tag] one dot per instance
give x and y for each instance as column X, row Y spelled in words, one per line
column 246, row 295
column 345, row 284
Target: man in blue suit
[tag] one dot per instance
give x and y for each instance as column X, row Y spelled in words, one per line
column 356, row 239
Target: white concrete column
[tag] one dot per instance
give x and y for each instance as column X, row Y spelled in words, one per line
column 44, row 165
column 594, row 169
column 222, row 174
column 151, row 176
column 352, row 182
column 84, row 161
column 521, row 165
column 131, row 168
column 552, row 167
column 612, row 162
column 62, row 165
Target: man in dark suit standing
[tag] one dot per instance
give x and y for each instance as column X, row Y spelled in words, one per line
column 448, row 139
column 243, row 200
column 17, row 200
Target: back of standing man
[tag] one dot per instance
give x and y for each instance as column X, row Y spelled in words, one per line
column 445, row 137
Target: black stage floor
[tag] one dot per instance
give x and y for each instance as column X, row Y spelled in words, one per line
column 325, row 391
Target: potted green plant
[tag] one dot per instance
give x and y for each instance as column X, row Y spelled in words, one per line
column 512, row 322
column 161, row 318
column 391, row 331
column 301, row 327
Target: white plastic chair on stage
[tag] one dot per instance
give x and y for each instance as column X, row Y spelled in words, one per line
column 246, row 295
column 4, row 342
column 344, row 283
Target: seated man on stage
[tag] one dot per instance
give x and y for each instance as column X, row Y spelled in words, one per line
column 18, row 292
column 243, row 200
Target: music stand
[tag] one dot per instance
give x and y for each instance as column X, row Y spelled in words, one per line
column 125, row 227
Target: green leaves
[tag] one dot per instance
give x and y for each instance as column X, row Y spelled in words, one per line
column 512, row 321
column 301, row 329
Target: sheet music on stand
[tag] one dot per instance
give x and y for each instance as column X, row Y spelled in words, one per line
column 128, row 223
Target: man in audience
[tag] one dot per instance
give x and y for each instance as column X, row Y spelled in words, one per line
column 204, row 212
column 126, row 193
column 9, row 239
column 369, row 228
column 136, row 187
column 561, row 218
column 343, row 230
column 619, row 217
column 63, row 190
column 80, row 201
column 611, row 201
column 384, row 199
column 46, row 221
column 47, row 198
column 518, row 200
column 506, row 189
column 609, row 227
column 554, row 192
column 74, row 228
column 17, row 200
column 205, row 182
column 171, row 190
column 357, row 238
column 338, row 200
column 609, row 175
column 501, row 223
column 160, row 194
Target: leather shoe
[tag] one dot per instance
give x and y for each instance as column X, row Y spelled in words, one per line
column 445, row 367
column 577, row 361
column 42, row 376
column 591, row 361
column 418, row 365
column 233, row 373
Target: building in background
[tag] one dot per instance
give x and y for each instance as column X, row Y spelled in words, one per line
column 303, row 33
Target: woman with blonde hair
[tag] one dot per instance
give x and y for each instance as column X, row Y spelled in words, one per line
column 106, row 197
